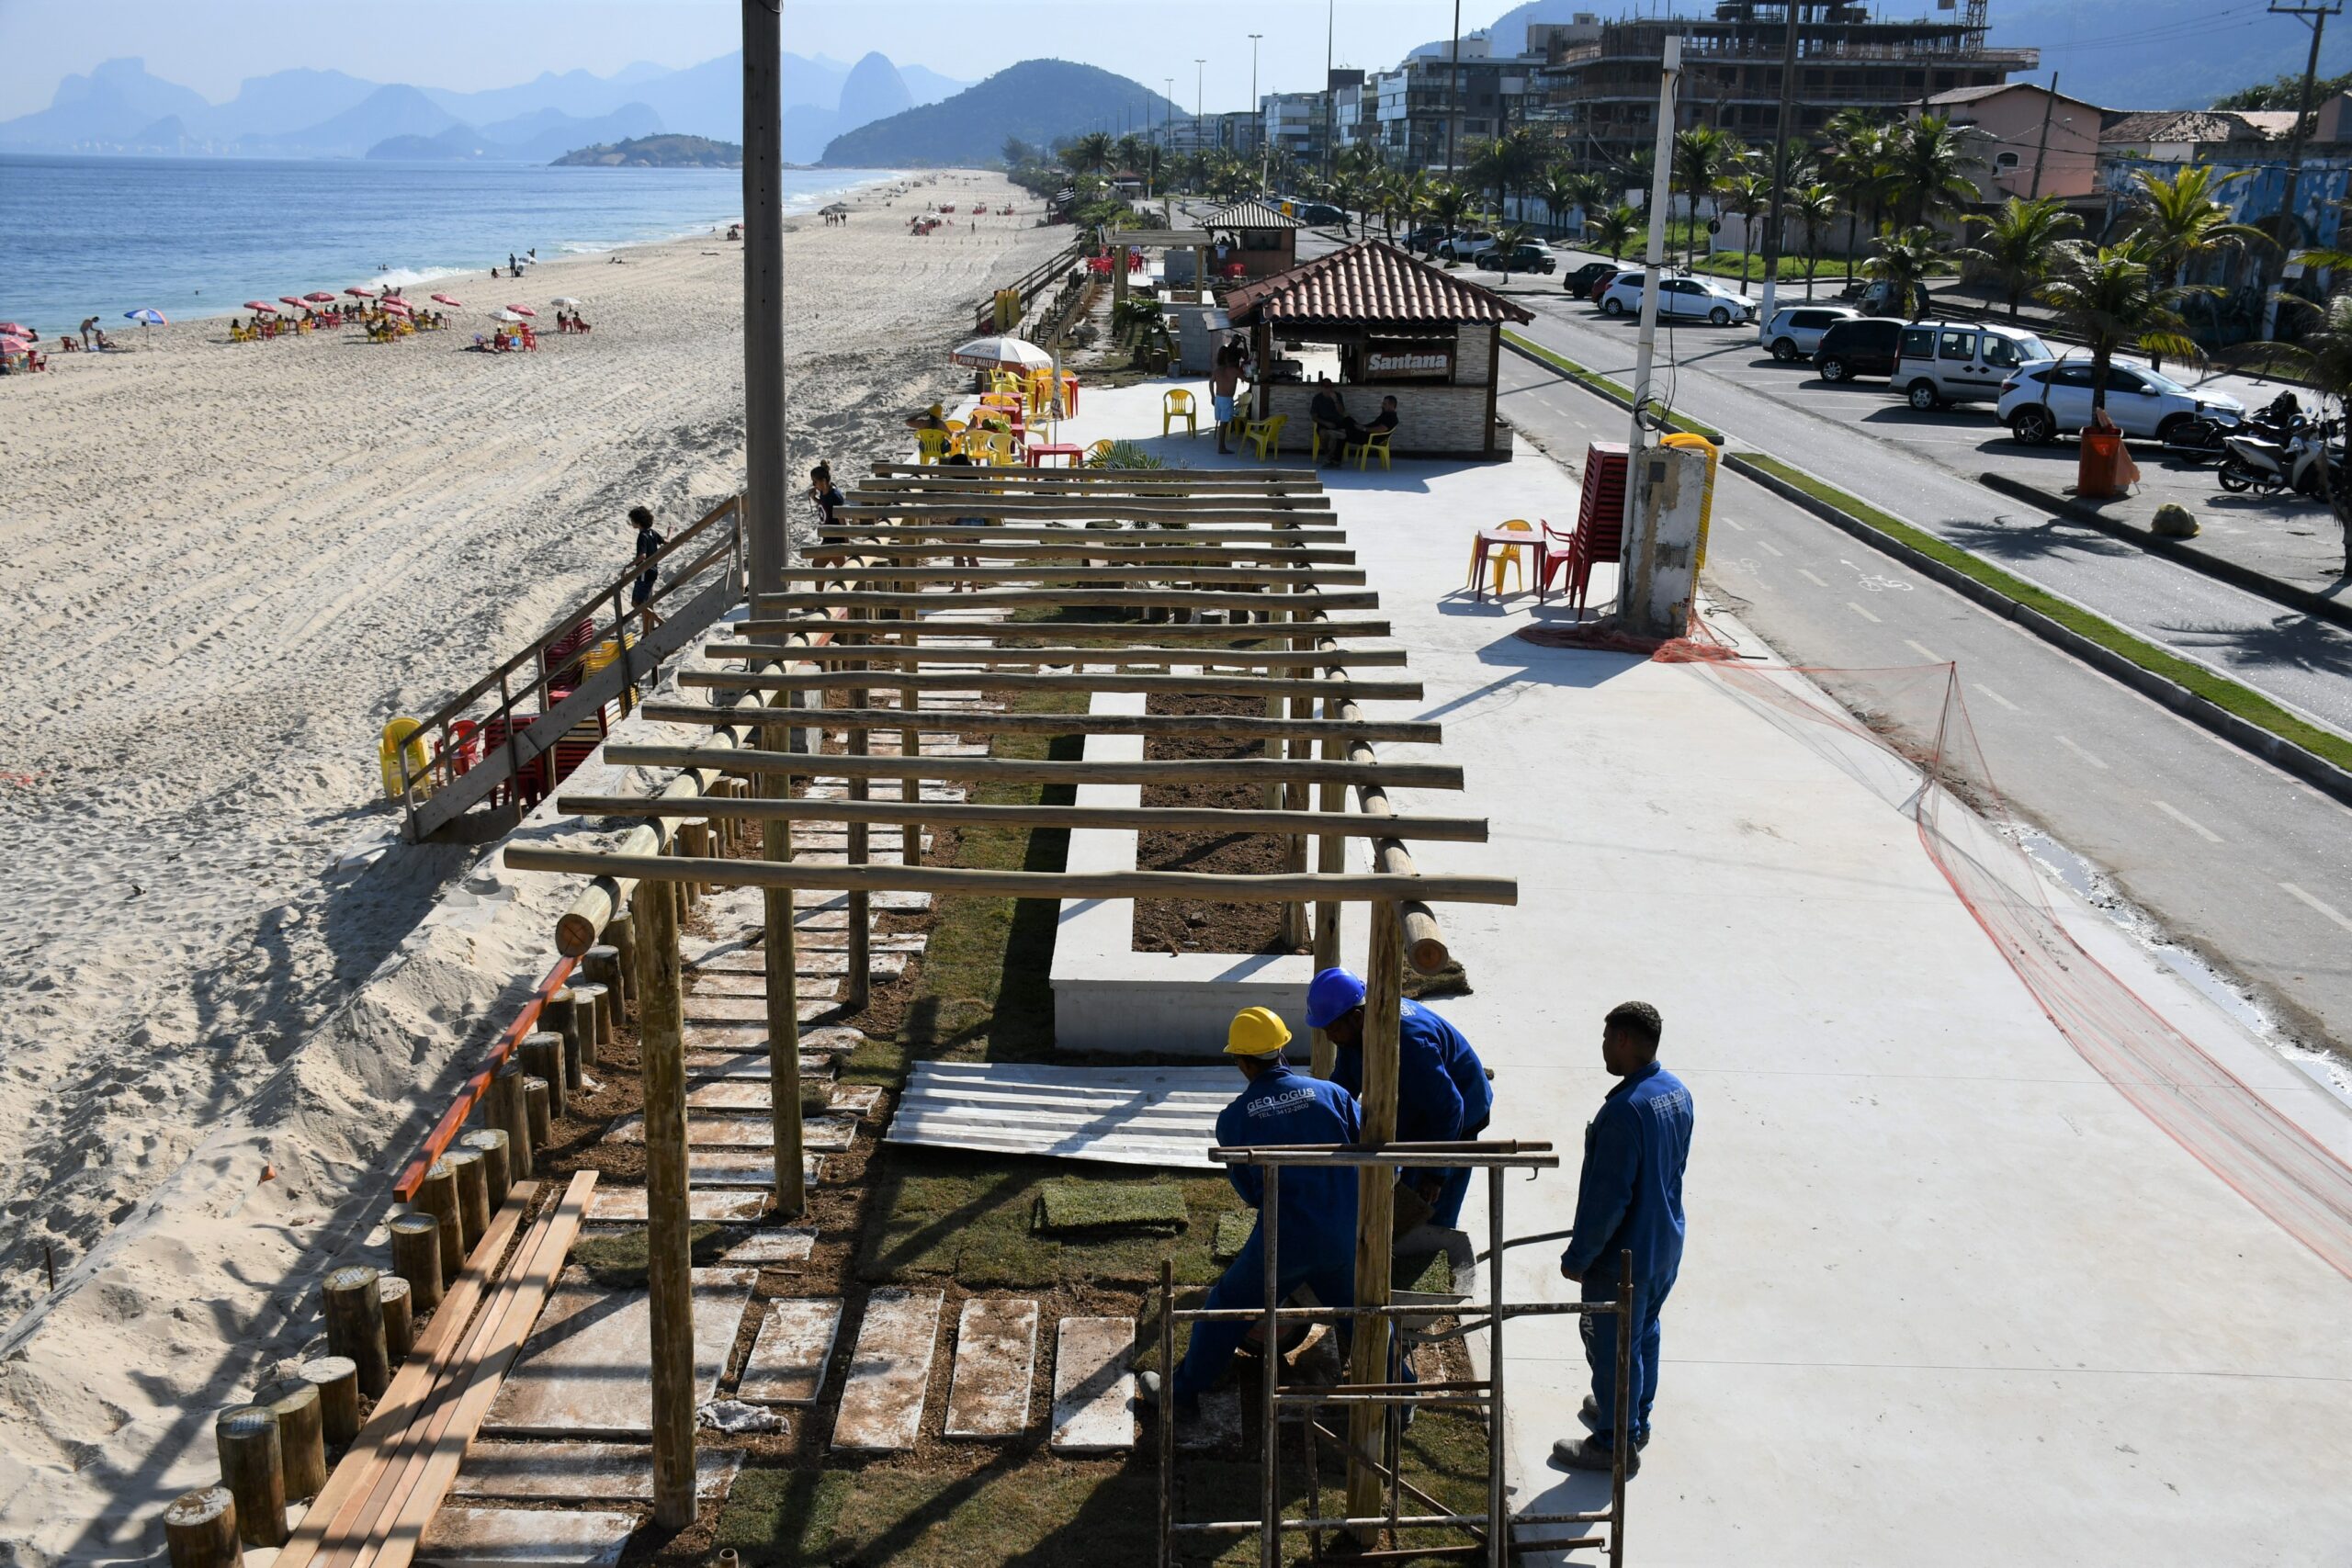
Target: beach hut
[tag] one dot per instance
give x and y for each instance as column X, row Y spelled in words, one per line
column 1432, row 339
column 1258, row 237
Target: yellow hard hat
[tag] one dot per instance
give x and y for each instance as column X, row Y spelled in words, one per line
column 1256, row 1032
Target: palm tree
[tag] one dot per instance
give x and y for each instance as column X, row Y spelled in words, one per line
column 1929, row 175
column 1613, row 229
column 1858, row 170
column 1904, row 263
column 2019, row 243
column 1091, row 153
column 1561, row 189
column 2114, row 297
column 1747, row 193
column 1702, row 156
column 2182, row 221
column 1815, row 206
column 1444, row 202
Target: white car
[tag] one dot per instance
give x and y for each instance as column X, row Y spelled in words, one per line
column 2047, row 398
column 1795, row 331
column 1462, row 245
column 1696, row 298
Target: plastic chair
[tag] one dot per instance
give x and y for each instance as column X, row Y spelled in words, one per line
column 1374, row 445
column 931, row 445
column 402, row 741
column 1100, row 450
column 1265, row 435
column 1179, row 404
column 1482, row 553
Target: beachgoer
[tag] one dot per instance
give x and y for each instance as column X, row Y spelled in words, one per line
column 648, row 545
column 88, row 327
column 1225, row 379
column 1329, row 411
column 929, row 418
column 822, row 491
column 1385, row 420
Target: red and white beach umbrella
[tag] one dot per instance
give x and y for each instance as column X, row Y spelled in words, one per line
column 259, row 305
column 11, row 343
column 16, row 329
column 522, row 310
column 319, row 297
column 359, row 292
column 445, row 299
column 397, row 307
column 288, row 300
column 508, row 314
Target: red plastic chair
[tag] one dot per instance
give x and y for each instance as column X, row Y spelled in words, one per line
column 529, row 785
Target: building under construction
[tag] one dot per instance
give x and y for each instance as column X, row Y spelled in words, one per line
column 1604, row 91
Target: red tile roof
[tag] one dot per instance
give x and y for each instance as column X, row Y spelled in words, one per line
column 1369, row 284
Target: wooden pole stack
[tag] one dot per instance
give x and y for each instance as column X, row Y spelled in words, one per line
column 662, row 1047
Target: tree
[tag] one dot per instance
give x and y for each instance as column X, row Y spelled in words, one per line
column 2114, row 297
column 1561, row 189
column 1928, row 168
column 1127, row 153
column 1702, row 157
column 1748, row 193
column 2323, row 357
column 1403, row 193
column 1091, row 153
column 2285, row 92
column 2180, row 220
column 1858, row 169
column 1905, row 262
column 1019, row 154
column 1614, row 229
column 1815, row 206
column 2019, row 243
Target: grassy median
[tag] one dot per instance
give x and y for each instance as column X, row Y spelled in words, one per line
column 1596, row 382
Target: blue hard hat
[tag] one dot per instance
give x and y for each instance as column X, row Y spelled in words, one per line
column 1332, row 994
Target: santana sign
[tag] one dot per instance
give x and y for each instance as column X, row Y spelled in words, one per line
column 1409, row 362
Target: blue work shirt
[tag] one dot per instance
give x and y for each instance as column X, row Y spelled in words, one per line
column 1630, row 1194
column 1443, row 1094
column 1284, row 1105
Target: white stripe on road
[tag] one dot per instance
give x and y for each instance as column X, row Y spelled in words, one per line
column 2001, row 699
column 1766, row 545
column 1929, row 654
column 1734, row 526
column 1810, row 578
column 2186, row 820
column 2078, row 752
column 1864, row 614
column 2330, row 910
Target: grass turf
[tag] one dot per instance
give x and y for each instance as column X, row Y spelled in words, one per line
column 2222, row 691
column 1081, row 1205
column 1595, row 380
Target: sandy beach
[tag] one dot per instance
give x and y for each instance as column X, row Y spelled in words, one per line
column 230, row 565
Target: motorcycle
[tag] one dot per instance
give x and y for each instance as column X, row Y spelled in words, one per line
column 2194, row 441
column 2267, row 466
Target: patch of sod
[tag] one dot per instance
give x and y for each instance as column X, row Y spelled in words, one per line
column 1077, row 1207
column 782, row 1518
column 1595, row 380
column 618, row 1260
column 2222, row 691
column 939, row 1213
column 1233, row 1234
column 1450, row 981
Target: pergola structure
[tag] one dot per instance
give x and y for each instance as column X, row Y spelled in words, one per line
column 1235, row 583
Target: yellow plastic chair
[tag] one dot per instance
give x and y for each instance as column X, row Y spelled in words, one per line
column 1100, row 450
column 1507, row 555
column 1265, row 435
column 1375, row 443
column 955, row 426
column 1180, row 404
column 402, row 739
column 931, row 445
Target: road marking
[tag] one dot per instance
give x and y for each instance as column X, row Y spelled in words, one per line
column 2010, row 706
column 1929, row 654
column 1864, row 614
column 2078, row 752
column 1766, row 544
column 2330, row 910
column 2186, row 820
column 1810, row 578
column 1734, row 526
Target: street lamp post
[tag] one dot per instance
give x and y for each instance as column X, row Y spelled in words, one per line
column 1198, row 64
column 1257, row 114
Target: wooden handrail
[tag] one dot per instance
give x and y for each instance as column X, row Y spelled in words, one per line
column 470, row 1091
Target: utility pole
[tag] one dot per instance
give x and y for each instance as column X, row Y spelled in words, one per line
column 1257, row 114
column 1331, row 93
column 1198, row 65
column 1780, row 170
column 1645, row 345
column 767, row 543
column 2042, row 147
column 2314, row 16
column 1454, row 93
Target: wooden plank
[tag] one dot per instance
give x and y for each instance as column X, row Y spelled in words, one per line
column 845, row 538
column 1122, row 545
column 1174, row 819
column 996, row 1360
column 411, row 1388
column 795, row 1341
column 1276, row 573
column 1061, row 631
column 580, row 1472
column 1040, row 598
column 1017, row 653
column 1000, row 769
column 1093, row 1387
column 962, row 721
column 881, row 1407
column 927, row 680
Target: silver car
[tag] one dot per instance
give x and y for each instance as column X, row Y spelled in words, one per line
column 1795, row 331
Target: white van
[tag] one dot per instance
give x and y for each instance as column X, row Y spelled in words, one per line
column 1960, row 362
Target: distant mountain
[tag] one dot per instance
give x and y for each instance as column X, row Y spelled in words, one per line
column 1038, row 100
column 2162, row 54
column 873, row 91
column 280, row 102
column 658, row 152
column 387, row 112
column 104, row 111
column 929, row 86
column 535, row 138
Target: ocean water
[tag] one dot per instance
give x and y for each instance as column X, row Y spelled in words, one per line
column 199, row 236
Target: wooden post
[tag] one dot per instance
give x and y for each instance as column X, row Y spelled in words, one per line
column 356, row 1324
column 568, row 1014
column 246, row 1436
column 595, row 1005
column 909, row 745
column 857, row 984
column 1375, row 1202
column 661, row 1030
column 542, row 1055
column 513, row 1117
column 200, row 1529
column 1330, row 859
column 400, row 1323
column 301, row 1440
column 438, row 1196
column 780, row 954
column 622, row 934
column 337, row 1378
column 498, row 1175
column 538, row 1109
column 473, row 1196
column 416, row 1257
column 601, row 965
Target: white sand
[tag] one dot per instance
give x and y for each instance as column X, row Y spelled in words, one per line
column 229, row 566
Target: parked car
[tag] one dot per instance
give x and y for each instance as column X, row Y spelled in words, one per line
column 1525, row 257
column 2048, row 398
column 1795, row 331
column 1462, row 246
column 1679, row 297
column 1582, row 283
column 1960, row 362
column 1423, row 239
column 1861, row 345
column 1320, row 213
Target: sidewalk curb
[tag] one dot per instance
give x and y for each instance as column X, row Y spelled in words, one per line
column 2277, row 590
column 2282, row 753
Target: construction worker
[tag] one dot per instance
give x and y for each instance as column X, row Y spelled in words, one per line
column 1316, row 1245
column 1629, row 1199
column 1443, row 1095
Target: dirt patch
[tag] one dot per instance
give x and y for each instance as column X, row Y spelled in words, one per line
column 1188, row 925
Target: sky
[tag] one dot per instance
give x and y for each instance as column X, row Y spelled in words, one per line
column 211, row 45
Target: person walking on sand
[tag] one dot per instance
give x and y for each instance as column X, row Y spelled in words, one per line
column 648, row 545
column 822, row 491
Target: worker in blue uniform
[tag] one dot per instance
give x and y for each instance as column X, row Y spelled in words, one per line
column 1629, row 1199
column 1443, row 1094
column 1317, row 1243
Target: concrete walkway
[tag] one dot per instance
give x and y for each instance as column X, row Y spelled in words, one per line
column 1947, row 1296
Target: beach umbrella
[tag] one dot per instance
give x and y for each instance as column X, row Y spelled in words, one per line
column 522, row 310
column 1017, row 352
column 360, row 292
column 508, row 314
column 564, row 300
column 319, row 297
column 11, row 343
column 445, row 299
column 16, row 329
column 147, row 316
column 258, row 305
column 290, row 300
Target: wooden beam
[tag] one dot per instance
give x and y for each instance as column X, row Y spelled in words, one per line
column 948, row 680
column 964, row 721
column 800, row 876
column 1014, row 509
column 668, row 1241
column 1273, row 575
column 1177, row 819
column 947, row 626
column 1375, row 1205
column 1161, row 548
column 1041, row 598
column 844, row 537
column 934, row 472
column 1225, row 659
column 1000, row 769
column 1424, row 942
column 780, row 969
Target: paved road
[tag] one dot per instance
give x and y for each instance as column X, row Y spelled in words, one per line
column 2244, row 864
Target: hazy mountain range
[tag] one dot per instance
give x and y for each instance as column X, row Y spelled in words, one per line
column 120, row 107
column 1040, row 101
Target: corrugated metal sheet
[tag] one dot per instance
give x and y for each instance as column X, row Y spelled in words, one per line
column 1164, row 1116
column 1250, row 213
column 1369, row 284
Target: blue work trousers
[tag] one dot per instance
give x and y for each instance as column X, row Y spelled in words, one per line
column 1600, row 1331
column 1328, row 1271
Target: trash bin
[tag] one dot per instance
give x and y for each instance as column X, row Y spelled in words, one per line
column 2099, row 472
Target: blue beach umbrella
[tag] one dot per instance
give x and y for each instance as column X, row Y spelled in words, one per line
column 147, row 316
